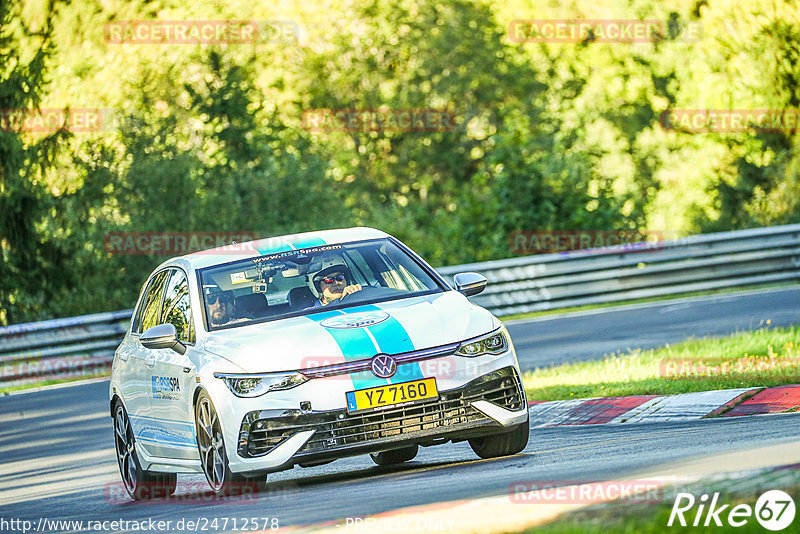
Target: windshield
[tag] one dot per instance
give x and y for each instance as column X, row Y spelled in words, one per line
column 309, row 280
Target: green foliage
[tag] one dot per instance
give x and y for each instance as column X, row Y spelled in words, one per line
column 764, row 187
column 456, row 194
column 200, row 157
column 545, row 135
column 33, row 265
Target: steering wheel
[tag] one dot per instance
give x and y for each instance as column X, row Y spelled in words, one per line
column 363, row 289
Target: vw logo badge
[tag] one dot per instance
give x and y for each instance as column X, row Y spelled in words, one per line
column 383, row 366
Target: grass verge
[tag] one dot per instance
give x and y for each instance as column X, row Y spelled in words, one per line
column 765, row 357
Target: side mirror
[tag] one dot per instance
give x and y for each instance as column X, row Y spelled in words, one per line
column 469, row 283
column 162, row 336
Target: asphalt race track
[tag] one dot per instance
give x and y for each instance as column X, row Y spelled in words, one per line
column 58, row 462
column 57, row 459
column 589, row 335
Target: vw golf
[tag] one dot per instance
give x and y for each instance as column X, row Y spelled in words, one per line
column 298, row 350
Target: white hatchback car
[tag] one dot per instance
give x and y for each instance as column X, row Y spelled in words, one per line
column 299, row 350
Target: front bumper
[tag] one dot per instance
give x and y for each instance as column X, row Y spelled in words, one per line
column 480, row 407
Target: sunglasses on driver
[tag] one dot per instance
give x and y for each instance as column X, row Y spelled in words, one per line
column 334, row 278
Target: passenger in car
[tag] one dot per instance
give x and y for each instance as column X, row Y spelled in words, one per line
column 220, row 306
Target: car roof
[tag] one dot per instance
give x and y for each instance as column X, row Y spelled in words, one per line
column 270, row 245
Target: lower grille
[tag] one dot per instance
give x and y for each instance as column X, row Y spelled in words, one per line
column 338, row 430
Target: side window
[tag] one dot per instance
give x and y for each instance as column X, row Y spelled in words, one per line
column 137, row 318
column 177, row 310
column 153, row 303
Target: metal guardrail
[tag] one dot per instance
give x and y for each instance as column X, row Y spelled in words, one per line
column 65, row 348
column 60, row 348
column 614, row 274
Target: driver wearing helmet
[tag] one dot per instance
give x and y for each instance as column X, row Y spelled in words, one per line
column 333, row 283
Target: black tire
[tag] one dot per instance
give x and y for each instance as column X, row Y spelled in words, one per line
column 214, row 459
column 503, row 444
column 169, row 482
column 396, row 456
column 140, row 484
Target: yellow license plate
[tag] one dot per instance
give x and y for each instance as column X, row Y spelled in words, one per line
column 393, row 395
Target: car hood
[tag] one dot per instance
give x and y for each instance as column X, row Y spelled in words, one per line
column 335, row 336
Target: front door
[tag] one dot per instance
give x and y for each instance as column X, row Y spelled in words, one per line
column 171, row 377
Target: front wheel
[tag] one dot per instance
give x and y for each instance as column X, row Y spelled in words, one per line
column 503, row 444
column 213, row 457
column 139, row 484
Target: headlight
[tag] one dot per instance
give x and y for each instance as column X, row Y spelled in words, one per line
column 257, row 385
column 494, row 343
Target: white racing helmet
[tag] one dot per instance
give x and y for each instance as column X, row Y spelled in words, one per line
column 328, row 265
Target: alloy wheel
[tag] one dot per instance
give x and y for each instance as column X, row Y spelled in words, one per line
column 211, row 444
column 126, row 447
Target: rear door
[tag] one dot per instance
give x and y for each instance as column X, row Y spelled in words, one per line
column 130, row 367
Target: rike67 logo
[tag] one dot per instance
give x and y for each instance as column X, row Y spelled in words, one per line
column 774, row 510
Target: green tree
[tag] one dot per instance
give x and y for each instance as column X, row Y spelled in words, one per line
column 455, row 194
column 200, row 156
column 764, row 188
column 33, row 266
